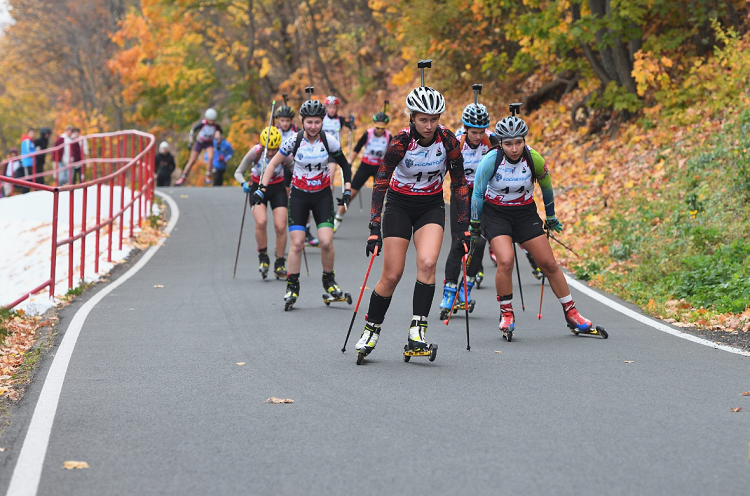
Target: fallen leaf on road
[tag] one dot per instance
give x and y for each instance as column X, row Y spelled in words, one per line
column 70, row 465
column 276, row 401
column 3, row 449
column 183, row 196
column 746, row 393
column 498, row 351
column 629, row 361
column 240, row 363
column 158, row 285
column 735, row 410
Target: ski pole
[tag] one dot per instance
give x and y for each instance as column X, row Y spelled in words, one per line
column 466, row 260
column 539, row 316
column 304, row 254
column 466, row 302
column 361, row 207
column 565, row 246
column 265, row 149
column 242, row 225
column 361, row 291
column 518, row 273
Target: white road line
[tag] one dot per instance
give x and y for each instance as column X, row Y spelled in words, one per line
column 649, row 321
column 28, row 471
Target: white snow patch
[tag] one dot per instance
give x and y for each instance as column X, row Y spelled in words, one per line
column 25, row 244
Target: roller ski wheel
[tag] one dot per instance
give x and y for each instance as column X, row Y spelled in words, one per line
column 289, row 303
column 479, row 278
column 328, row 298
column 461, row 306
column 361, row 354
column 279, row 269
column 444, row 312
column 430, row 352
column 368, row 341
column 507, row 334
column 591, row 331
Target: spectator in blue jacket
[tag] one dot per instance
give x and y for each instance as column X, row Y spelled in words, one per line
column 27, row 146
column 223, row 152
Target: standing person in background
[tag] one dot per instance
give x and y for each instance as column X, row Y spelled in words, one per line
column 223, row 153
column 203, row 133
column 165, row 165
column 61, row 156
column 27, row 146
column 76, row 156
column 16, row 169
column 375, row 140
column 41, row 143
column 10, row 168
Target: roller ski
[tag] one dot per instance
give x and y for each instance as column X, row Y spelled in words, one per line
column 449, row 294
column 208, row 179
column 279, row 269
column 180, row 180
column 416, row 345
column 292, row 293
column 461, row 304
column 264, row 263
column 310, row 240
column 580, row 325
column 337, row 220
column 535, row 270
column 507, row 322
column 367, row 342
column 334, row 291
column 479, row 278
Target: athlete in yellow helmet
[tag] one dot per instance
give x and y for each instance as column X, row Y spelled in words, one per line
column 275, row 195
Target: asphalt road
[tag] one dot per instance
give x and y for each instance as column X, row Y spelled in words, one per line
column 155, row 402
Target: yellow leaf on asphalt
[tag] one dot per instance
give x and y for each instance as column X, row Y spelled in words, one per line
column 183, row 196
column 498, row 351
column 746, row 393
column 735, row 410
column 629, row 361
column 276, row 401
column 240, row 363
column 158, row 285
column 70, row 465
column 3, row 449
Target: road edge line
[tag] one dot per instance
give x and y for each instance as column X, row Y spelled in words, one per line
column 659, row 326
column 27, row 473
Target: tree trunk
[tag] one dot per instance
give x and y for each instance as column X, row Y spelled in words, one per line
column 599, row 9
column 316, row 51
column 591, row 57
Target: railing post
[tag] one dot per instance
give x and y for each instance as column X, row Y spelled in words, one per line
column 71, row 196
column 139, row 166
column 83, row 231
column 132, row 170
column 98, row 225
column 53, row 259
column 111, row 203
column 122, row 202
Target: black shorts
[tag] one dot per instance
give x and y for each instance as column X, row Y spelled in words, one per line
column 302, row 203
column 405, row 214
column 275, row 195
column 521, row 223
column 364, row 172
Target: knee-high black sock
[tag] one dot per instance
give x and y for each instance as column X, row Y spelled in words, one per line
column 378, row 307
column 423, row 295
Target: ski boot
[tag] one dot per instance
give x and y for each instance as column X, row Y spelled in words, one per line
column 367, row 342
column 180, row 180
column 479, row 278
column 309, row 240
column 493, row 257
column 292, row 293
column 279, row 269
column 449, row 294
column 580, row 325
column 337, row 220
column 334, row 291
column 208, row 179
column 461, row 304
column 535, row 270
column 417, row 346
column 264, row 262
column 507, row 321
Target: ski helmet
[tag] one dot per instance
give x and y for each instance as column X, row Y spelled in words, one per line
column 331, row 100
column 511, row 127
column 211, row 114
column 312, row 108
column 275, row 140
column 476, row 115
column 426, row 100
column 285, row 111
column 380, row 119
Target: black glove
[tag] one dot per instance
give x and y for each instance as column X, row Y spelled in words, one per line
column 190, row 146
column 375, row 241
column 464, row 241
column 346, row 199
column 258, row 195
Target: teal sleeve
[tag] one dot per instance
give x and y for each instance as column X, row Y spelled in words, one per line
column 481, row 180
column 545, row 182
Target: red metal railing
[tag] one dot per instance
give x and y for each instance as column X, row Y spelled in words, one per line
column 115, row 159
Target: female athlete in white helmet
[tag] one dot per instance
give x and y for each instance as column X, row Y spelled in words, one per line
column 203, row 133
column 415, row 165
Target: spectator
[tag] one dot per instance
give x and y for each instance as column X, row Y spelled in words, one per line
column 41, row 143
column 76, row 156
column 223, row 152
column 27, row 146
column 16, row 170
column 7, row 188
column 165, row 165
column 61, row 157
